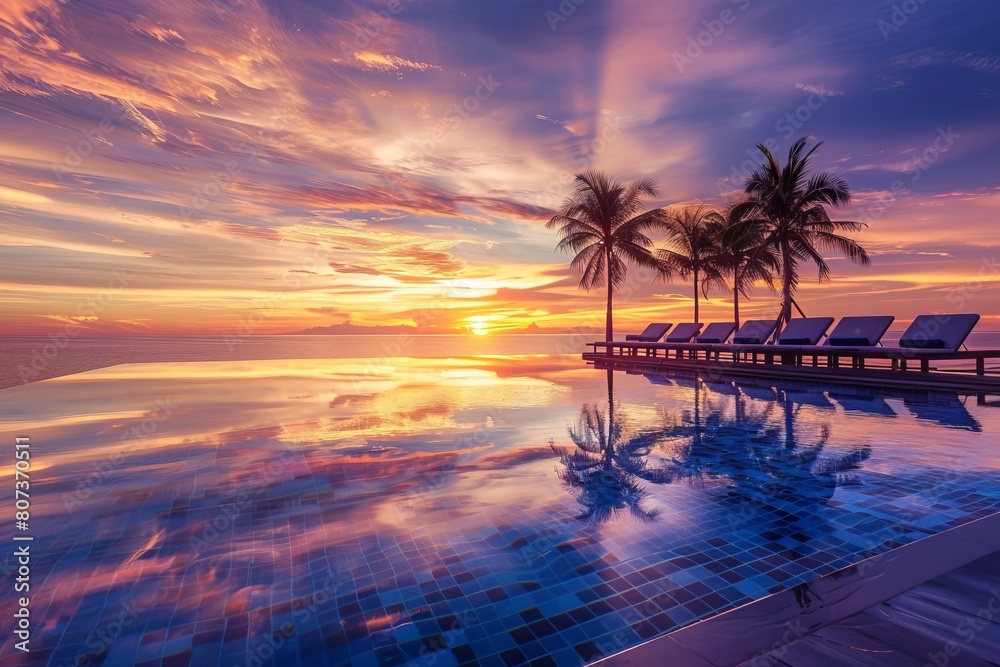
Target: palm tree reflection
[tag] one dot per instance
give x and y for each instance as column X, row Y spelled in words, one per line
column 755, row 455
column 753, row 450
column 605, row 469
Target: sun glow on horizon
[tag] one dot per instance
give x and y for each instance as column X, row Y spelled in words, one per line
column 479, row 324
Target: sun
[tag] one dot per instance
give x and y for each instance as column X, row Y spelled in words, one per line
column 478, row 325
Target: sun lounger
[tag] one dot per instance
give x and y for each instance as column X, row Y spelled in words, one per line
column 804, row 331
column 941, row 333
column 683, row 333
column 754, row 332
column 650, row 334
column 864, row 331
column 717, row 332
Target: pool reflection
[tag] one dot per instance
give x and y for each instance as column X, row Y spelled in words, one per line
column 442, row 507
column 757, row 449
column 754, row 450
column 604, row 469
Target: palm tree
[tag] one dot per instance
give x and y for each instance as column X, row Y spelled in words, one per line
column 604, row 225
column 745, row 259
column 693, row 236
column 785, row 207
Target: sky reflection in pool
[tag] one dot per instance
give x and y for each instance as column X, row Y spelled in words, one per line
column 331, row 512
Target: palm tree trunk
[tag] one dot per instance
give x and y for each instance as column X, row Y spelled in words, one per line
column 736, row 302
column 696, row 296
column 609, row 332
column 786, row 287
column 609, row 328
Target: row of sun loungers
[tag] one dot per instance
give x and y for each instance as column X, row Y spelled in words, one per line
column 941, row 333
column 928, row 354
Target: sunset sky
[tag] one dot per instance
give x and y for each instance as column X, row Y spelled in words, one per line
column 185, row 167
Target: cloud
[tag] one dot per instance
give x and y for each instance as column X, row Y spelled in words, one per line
column 820, row 90
column 389, row 63
column 930, row 57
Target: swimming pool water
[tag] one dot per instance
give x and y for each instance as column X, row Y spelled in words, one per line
column 480, row 510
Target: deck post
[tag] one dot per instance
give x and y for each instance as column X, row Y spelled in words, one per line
column 925, row 366
column 981, row 365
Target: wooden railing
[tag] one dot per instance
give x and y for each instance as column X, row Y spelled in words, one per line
column 880, row 363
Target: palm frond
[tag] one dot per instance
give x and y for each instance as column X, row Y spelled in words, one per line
column 594, row 271
column 577, row 241
column 827, row 189
column 851, row 249
column 808, row 251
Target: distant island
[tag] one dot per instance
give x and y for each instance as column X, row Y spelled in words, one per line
column 347, row 328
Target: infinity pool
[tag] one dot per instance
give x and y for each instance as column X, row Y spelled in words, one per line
column 481, row 510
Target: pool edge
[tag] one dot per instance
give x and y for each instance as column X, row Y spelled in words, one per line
column 738, row 635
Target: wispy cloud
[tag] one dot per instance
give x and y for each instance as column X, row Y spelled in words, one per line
column 820, row 89
column 979, row 62
column 389, row 63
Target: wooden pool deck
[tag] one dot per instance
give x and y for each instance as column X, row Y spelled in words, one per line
column 965, row 370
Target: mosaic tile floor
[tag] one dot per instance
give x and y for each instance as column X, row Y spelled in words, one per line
column 396, row 527
column 577, row 600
